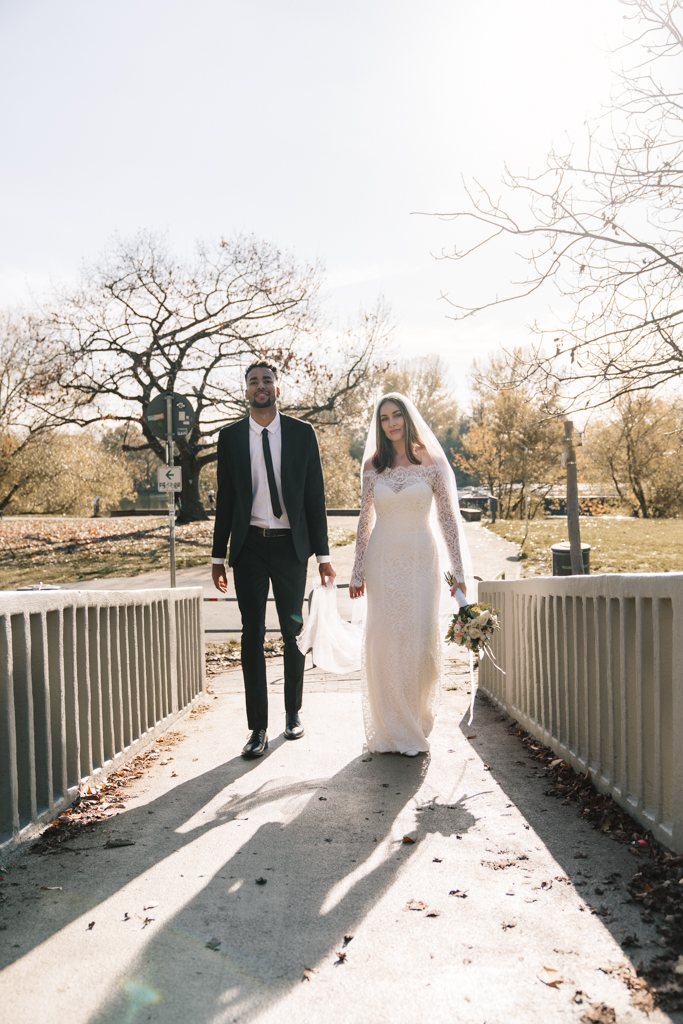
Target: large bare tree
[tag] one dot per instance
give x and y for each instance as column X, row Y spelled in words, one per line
column 601, row 226
column 143, row 323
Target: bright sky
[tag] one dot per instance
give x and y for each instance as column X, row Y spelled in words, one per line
column 317, row 126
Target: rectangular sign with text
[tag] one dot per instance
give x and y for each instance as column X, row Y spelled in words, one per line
column 169, row 479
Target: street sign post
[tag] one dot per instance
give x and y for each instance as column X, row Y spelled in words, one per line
column 172, row 417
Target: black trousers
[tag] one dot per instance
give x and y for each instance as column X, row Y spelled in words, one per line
column 261, row 561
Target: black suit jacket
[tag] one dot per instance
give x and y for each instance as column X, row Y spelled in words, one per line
column 303, row 490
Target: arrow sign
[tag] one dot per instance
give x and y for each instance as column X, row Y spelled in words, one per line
column 169, row 479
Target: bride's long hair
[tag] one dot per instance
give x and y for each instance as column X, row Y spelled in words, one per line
column 385, row 453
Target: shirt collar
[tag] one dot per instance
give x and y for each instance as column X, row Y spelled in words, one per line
column 272, row 427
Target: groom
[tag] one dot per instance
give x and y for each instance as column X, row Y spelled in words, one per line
column 271, row 507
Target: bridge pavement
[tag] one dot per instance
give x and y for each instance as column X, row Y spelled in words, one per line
column 180, row 927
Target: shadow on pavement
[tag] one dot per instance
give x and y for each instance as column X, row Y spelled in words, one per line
column 602, row 868
column 325, row 868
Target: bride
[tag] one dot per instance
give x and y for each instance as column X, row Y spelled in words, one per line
column 409, row 533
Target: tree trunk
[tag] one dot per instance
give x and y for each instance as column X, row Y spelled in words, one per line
column 192, row 509
column 637, row 488
column 8, row 497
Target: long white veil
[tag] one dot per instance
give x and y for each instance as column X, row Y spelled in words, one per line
column 447, row 604
column 336, row 644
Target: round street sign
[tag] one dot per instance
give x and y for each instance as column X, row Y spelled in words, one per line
column 183, row 416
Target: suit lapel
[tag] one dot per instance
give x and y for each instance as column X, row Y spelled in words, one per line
column 285, row 455
column 243, row 456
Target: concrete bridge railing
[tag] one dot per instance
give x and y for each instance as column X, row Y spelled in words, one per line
column 595, row 670
column 86, row 680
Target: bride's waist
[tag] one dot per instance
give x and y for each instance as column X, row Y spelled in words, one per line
column 391, row 528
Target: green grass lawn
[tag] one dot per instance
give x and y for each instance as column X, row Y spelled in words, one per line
column 617, row 545
column 67, row 550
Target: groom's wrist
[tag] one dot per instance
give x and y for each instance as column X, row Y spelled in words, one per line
column 322, row 559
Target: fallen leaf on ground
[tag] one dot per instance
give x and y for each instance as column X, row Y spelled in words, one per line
column 174, row 775
column 150, row 906
column 113, row 844
column 458, row 892
column 415, row 905
column 473, row 737
column 308, row 974
column 486, row 767
column 213, row 943
column 433, row 913
column 91, row 926
column 580, row 856
column 599, row 1013
column 341, row 960
column 550, row 977
column 261, row 881
column 347, row 939
column 509, row 924
column 407, row 839
column 437, row 860
column 148, row 920
column 195, row 758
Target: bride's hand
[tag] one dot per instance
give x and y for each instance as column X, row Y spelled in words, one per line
column 458, row 586
column 355, row 592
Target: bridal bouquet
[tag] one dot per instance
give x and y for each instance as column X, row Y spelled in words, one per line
column 473, row 627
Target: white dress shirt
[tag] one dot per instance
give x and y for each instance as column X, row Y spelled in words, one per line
column 261, row 507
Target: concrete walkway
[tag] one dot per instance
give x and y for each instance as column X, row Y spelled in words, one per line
column 491, row 556
column 178, row 928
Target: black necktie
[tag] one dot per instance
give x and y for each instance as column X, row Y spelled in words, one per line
column 274, row 500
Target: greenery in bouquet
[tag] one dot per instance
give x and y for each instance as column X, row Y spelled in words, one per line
column 473, row 625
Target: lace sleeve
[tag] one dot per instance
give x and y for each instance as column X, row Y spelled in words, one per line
column 448, row 523
column 365, row 523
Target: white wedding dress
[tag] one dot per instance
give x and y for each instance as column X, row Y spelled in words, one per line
column 402, row 649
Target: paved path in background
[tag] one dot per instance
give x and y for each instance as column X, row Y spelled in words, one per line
column 491, row 556
column 176, row 928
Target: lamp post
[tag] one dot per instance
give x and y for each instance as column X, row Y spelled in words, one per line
column 573, row 529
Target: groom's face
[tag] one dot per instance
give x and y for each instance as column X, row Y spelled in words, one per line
column 262, row 390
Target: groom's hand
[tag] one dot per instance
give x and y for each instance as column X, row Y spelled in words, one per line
column 220, row 577
column 326, row 572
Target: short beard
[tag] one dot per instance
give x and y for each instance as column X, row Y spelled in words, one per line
column 262, row 405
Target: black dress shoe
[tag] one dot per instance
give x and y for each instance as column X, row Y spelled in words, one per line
column 256, row 744
column 294, row 730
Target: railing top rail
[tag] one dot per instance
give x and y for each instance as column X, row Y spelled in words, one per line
column 51, row 600
column 619, row 585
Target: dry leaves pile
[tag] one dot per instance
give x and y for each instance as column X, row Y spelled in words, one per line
column 657, row 886
column 98, row 803
column 221, row 657
column 72, row 549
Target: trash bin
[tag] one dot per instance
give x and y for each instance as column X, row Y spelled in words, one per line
column 562, row 559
